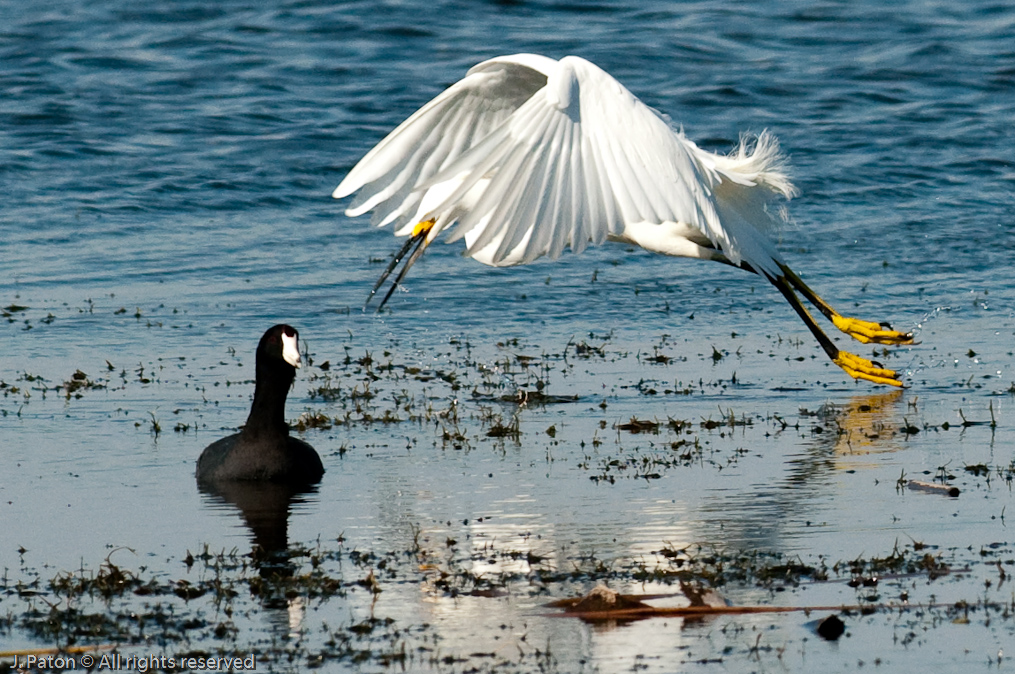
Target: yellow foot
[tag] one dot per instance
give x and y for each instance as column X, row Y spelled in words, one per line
column 423, row 226
column 861, row 368
column 865, row 331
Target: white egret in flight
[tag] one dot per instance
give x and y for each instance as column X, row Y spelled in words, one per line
column 528, row 155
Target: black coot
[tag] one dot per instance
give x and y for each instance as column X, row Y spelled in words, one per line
column 263, row 450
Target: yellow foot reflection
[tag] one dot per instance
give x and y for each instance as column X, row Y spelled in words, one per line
column 865, row 331
column 861, row 368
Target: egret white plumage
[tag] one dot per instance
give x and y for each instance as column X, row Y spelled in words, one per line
column 529, row 155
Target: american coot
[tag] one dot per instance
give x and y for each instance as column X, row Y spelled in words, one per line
column 263, row 450
column 530, row 155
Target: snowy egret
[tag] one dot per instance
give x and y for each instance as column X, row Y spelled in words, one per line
column 529, row 155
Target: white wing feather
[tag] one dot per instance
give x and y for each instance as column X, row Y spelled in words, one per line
column 436, row 134
column 530, row 156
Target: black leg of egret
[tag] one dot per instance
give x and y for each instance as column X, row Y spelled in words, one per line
column 826, row 343
column 417, row 243
column 862, row 331
column 420, row 241
column 391, row 267
column 854, row 366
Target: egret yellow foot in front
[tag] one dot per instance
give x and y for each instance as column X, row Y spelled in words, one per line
column 861, row 368
column 865, row 331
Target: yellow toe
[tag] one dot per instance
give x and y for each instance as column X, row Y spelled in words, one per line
column 865, row 331
column 861, row 368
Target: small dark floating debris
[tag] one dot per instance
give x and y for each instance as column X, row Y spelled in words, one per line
column 186, row 591
column 525, row 397
column 980, row 469
column 639, row 426
column 831, row 628
column 946, row 489
column 863, row 581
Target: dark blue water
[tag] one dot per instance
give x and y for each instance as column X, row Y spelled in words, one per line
column 166, row 175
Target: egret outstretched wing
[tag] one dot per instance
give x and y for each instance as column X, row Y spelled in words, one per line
column 389, row 176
